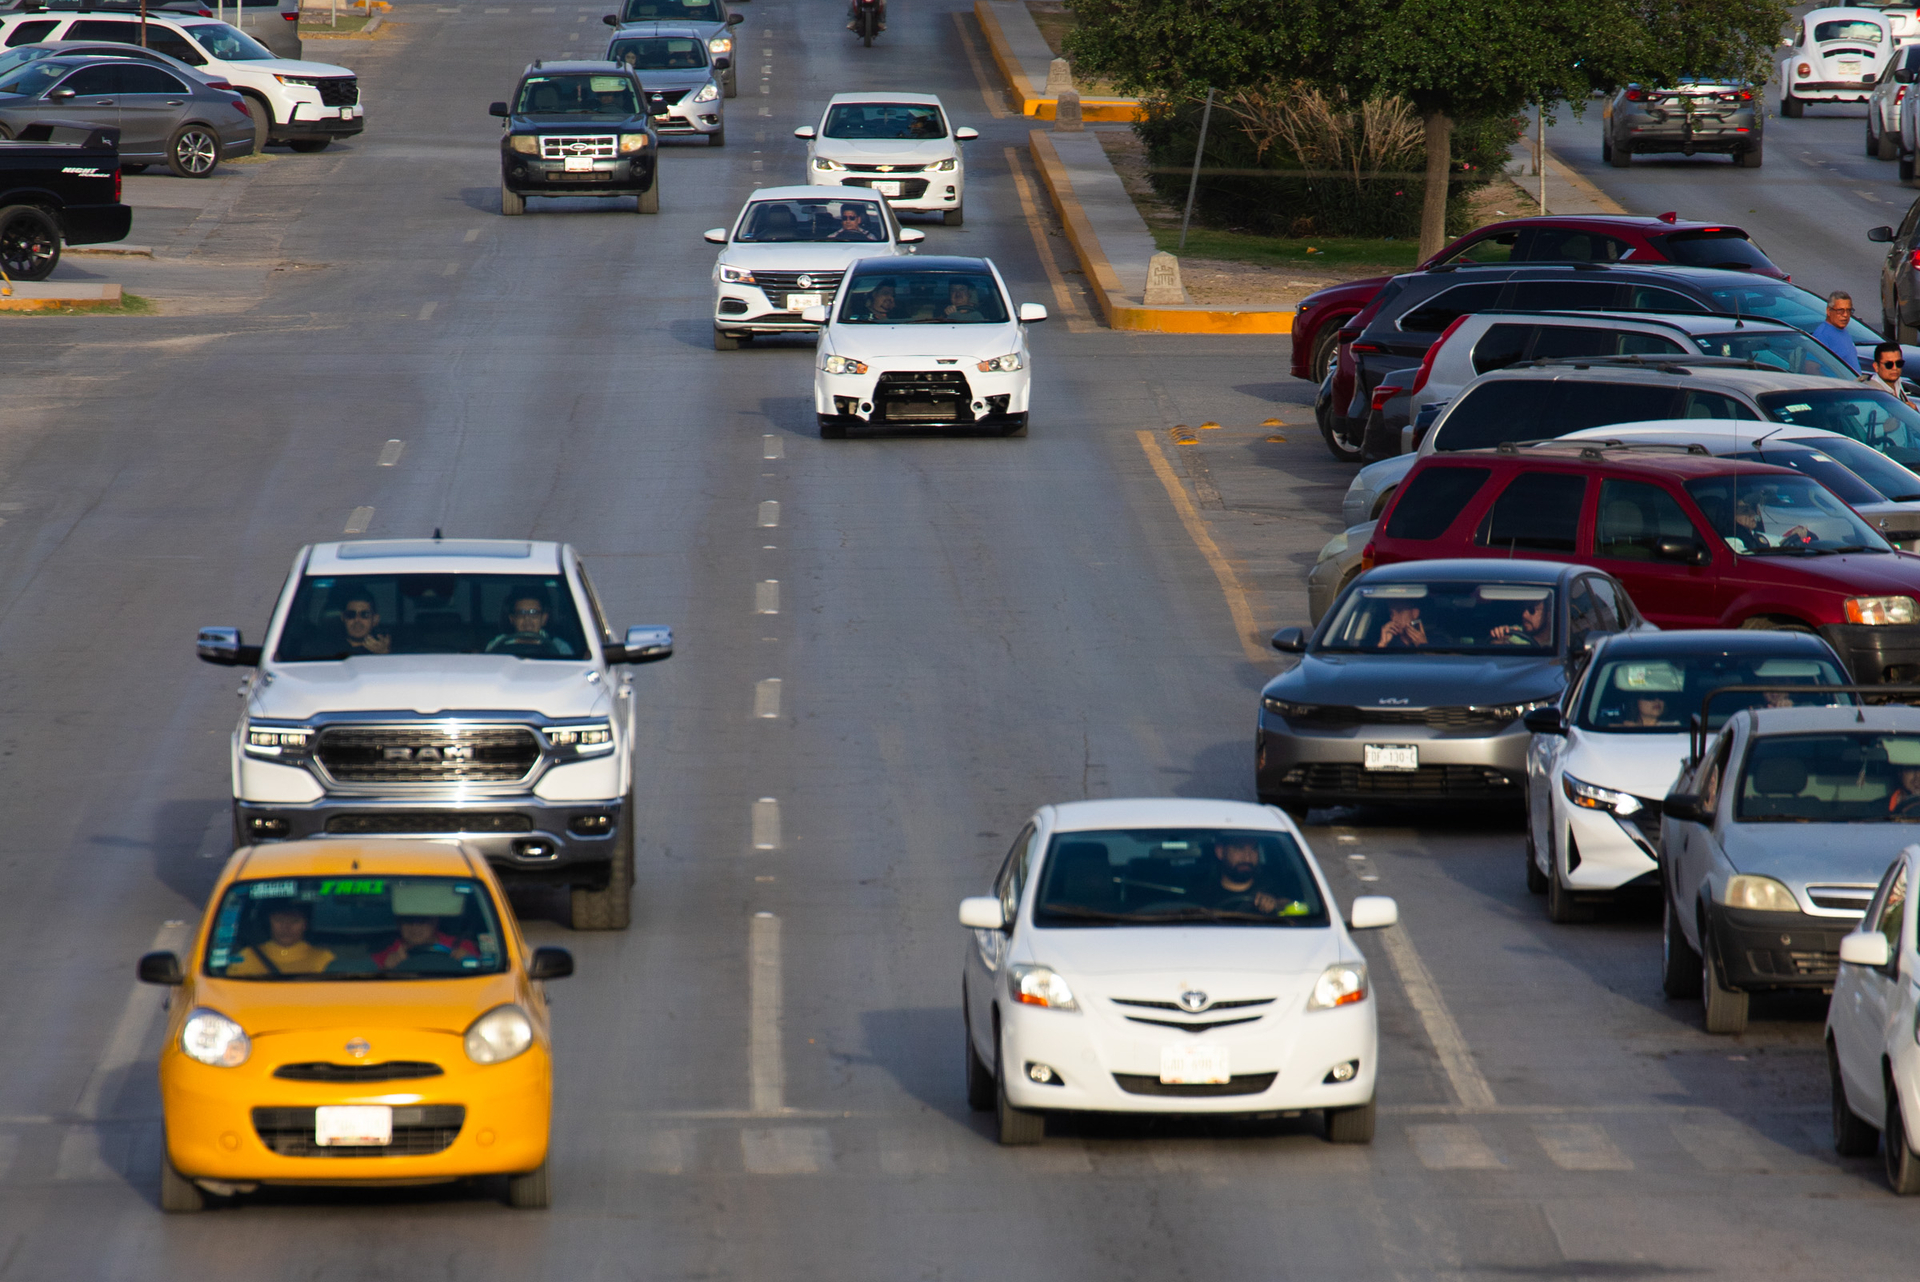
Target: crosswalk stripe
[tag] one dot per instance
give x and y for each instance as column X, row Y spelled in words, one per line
column 668, row 1152
column 786, row 1150
column 1452, row 1146
column 1730, row 1146
column 1580, row 1146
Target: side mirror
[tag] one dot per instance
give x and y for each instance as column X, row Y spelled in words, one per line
column 1032, row 313
column 814, row 315
column 1370, row 912
column 804, row 131
column 735, row 19
column 643, row 645
column 722, row 62
column 611, row 21
column 1290, row 641
column 715, row 235
column 550, row 963
column 60, row 95
column 161, row 968
column 1865, row 948
column 498, row 109
column 1902, row 76
column 965, row 134
column 222, row 648
column 982, row 912
column 1545, row 721
column 1881, row 235
column 1685, row 806
column 911, row 235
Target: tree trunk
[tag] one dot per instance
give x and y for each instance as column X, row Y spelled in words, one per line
column 1433, row 213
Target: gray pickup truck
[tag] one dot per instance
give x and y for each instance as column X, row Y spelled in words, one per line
column 58, row 184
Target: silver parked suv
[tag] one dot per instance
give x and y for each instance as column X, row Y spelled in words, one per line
column 448, row 688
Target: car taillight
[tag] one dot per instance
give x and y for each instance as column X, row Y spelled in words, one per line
column 245, row 110
column 1366, row 349
column 1366, row 558
column 222, row 85
column 1913, row 259
column 1426, row 362
column 1899, row 95
column 1803, row 71
column 1384, row 393
column 1636, row 95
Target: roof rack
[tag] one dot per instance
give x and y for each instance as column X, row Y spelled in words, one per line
column 1645, row 318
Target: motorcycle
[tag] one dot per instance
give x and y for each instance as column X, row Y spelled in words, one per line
column 866, row 20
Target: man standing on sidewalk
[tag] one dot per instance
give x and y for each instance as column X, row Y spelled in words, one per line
column 1831, row 333
column 1889, row 364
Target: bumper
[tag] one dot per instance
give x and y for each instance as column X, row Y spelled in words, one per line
column 95, row 224
column 743, row 309
column 1877, row 654
column 531, row 176
column 1277, row 1071
column 1613, row 852
column 696, row 120
column 970, row 399
column 307, row 122
column 1656, row 137
column 1834, row 90
column 1328, row 767
column 1777, row 950
column 925, row 191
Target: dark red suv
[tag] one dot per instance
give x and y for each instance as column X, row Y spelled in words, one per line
column 1699, row 542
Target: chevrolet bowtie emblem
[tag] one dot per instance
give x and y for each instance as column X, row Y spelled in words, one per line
column 885, row 169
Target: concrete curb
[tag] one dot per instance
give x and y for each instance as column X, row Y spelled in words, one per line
column 1584, row 186
column 1120, row 311
column 36, row 296
column 1034, row 102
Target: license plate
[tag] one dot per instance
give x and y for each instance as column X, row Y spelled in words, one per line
column 1193, row 1065
column 886, row 188
column 1851, row 68
column 579, row 164
column 353, row 1125
column 799, row 302
column 1392, row 756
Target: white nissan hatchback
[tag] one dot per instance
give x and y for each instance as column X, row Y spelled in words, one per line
column 1167, row 956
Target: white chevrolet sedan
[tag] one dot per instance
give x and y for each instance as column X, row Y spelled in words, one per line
column 1872, row 1059
column 923, row 342
column 1167, row 956
column 897, row 145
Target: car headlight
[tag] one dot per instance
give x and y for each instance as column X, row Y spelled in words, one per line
column 212, row 1038
column 1588, row 797
column 1336, row 546
column 708, row 92
column 1881, row 609
column 1286, row 709
column 1341, row 984
column 843, row 365
column 1504, row 712
column 305, row 81
column 276, row 741
column 630, row 143
column 736, row 276
column 499, row 1035
column 1760, row 894
column 596, row 737
column 525, row 144
column 720, row 44
column 946, row 166
column 1001, row 364
column 1039, row 986
column 827, row 166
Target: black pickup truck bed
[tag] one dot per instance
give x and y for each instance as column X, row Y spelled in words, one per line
column 58, row 184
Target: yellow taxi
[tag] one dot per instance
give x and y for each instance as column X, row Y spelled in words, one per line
column 356, row 1012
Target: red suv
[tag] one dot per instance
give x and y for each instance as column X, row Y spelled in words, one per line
column 1699, row 542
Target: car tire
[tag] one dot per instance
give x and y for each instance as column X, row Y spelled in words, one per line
column 1562, row 908
column 980, row 1083
column 133, row 169
column 1325, row 345
column 309, row 145
column 1791, row 107
column 1896, row 1149
column 725, row 342
column 531, row 1191
column 954, row 217
column 1873, row 140
column 512, row 203
column 178, row 1194
column 1906, row 167
column 832, row 427
column 1536, row 880
column 29, row 242
column 610, row 907
column 731, row 88
column 1679, row 964
column 1851, row 1136
column 1726, row 1008
column 262, row 122
column 1619, row 156
column 1016, row 1125
column 193, row 151
column 1750, row 158
column 718, row 138
column 649, row 201
column 1351, row 1125
column 1606, row 148
column 1336, row 441
column 1889, row 147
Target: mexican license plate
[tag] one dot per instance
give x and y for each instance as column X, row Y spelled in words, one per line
column 1193, row 1065
column 800, row 302
column 579, row 164
column 353, row 1125
column 1850, row 66
column 1392, row 756
column 886, row 188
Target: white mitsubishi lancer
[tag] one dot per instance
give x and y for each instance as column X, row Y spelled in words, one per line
column 1167, row 956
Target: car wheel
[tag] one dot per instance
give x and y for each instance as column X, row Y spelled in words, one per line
column 980, row 1084
column 1903, row 1168
column 1017, row 1125
column 610, row 907
column 178, row 1194
column 649, row 202
column 531, row 1191
column 1619, row 155
column 1351, row 1125
column 1337, row 443
column 1679, row 964
column 1791, row 107
column 1536, row 880
column 732, row 86
column 832, row 427
column 309, row 144
column 193, row 151
column 1906, row 167
column 954, row 217
column 1851, row 1136
column 1606, row 148
column 1764, row 623
column 718, row 138
column 725, row 342
column 1889, row 147
column 1873, row 142
column 1751, row 157
column 512, row 203
column 1561, row 905
column 29, row 242
column 1726, row 1007
column 125, row 169
column 1324, row 345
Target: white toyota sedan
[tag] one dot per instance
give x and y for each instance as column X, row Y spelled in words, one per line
column 1837, row 55
column 923, row 342
column 788, row 250
column 1167, row 956
column 897, row 145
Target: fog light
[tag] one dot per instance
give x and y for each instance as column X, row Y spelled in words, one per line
column 261, row 826
column 866, row 407
column 978, row 406
column 1342, row 1072
column 535, row 849
column 590, row 825
column 1043, row 1075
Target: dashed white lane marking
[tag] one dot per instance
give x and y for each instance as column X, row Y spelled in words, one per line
column 766, row 111
column 496, row 11
column 766, row 596
column 756, row 166
column 786, row 1150
column 1580, row 1146
column 766, row 53
column 450, row 269
column 390, row 452
column 427, row 310
column 766, row 71
column 769, row 514
column 766, row 89
column 766, row 1066
column 541, row 9
column 129, row 1037
column 473, row 234
column 766, row 824
column 772, row 447
column 358, row 522
column 766, row 698
column 1452, row 1146
column 1469, row 1085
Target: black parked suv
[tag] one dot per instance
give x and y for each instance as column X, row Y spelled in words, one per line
column 578, row 129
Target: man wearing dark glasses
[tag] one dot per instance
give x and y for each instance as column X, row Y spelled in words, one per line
column 360, row 620
column 1889, row 367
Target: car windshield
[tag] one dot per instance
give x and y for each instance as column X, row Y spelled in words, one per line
column 1177, row 877
column 779, row 222
column 229, row 43
column 1831, row 778
column 660, row 53
column 1498, row 618
column 294, row 929
column 578, row 95
column 884, row 120
column 1777, row 300
column 1660, row 695
column 673, row 11
column 1784, row 349
column 34, row 79
column 1864, row 32
column 923, row 298
column 347, row 616
column 1766, row 514
column 1886, row 476
column 1859, row 413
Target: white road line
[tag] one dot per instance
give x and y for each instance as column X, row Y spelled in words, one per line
column 358, row 522
column 128, row 1042
column 766, row 698
column 756, row 166
column 772, row 447
column 668, row 1152
column 766, row 111
column 451, row 269
column 765, row 89
column 914, row 1151
column 1729, row 1146
column 1452, row 1146
column 473, row 234
column 766, row 824
column 766, row 594
column 786, row 1150
column 390, row 452
column 766, row 71
column 1580, row 1146
column 426, row 310
column 1469, row 1086
column 769, row 514
column 766, row 1067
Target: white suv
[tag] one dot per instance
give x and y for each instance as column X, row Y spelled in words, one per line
column 900, row 145
column 303, row 104
column 446, row 688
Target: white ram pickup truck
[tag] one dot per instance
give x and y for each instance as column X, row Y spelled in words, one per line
column 446, row 688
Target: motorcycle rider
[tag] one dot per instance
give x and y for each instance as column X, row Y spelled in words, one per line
column 853, row 15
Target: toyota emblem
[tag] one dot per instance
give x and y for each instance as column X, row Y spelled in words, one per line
column 358, row 1048
column 1193, row 1001
column 805, row 281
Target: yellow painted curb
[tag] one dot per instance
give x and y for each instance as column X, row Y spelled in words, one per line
column 1032, row 101
column 34, row 296
column 1585, row 187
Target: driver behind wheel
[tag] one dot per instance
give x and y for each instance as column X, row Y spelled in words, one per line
column 526, row 632
column 1239, row 881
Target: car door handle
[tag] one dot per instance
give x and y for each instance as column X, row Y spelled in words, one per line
column 103, row 102
column 176, row 102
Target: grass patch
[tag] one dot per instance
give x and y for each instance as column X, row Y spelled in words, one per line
column 129, row 305
column 316, row 27
column 1269, row 251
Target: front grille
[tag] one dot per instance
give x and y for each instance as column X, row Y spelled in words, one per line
column 1348, row 778
column 417, row 822
column 428, row 753
column 668, row 97
column 1235, row 1004
column 597, row 146
column 923, row 396
column 339, row 91
column 1852, row 899
column 1193, row 1028
column 418, row 1130
column 1790, row 964
column 1334, row 716
column 777, row 285
column 885, row 169
column 910, row 188
column 394, row 1070
column 1242, row 1084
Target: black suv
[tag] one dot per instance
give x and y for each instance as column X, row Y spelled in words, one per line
column 578, row 129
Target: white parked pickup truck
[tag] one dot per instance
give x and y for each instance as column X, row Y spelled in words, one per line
column 446, row 688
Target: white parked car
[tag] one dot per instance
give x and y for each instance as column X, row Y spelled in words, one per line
column 1884, row 106
column 1837, row 56
column 923, row 342
column 788, row 250
column 900, row 145
column 1872, row 1057
column 1167, row 956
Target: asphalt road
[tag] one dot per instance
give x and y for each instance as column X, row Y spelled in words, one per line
column 966, row 628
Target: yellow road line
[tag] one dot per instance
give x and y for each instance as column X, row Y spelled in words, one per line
column 989, row 89
column 1237, row 602
column 1079, row 321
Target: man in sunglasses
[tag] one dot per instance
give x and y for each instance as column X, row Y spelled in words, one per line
column 1889, row 367
column 361, row 620
column 526, row 635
